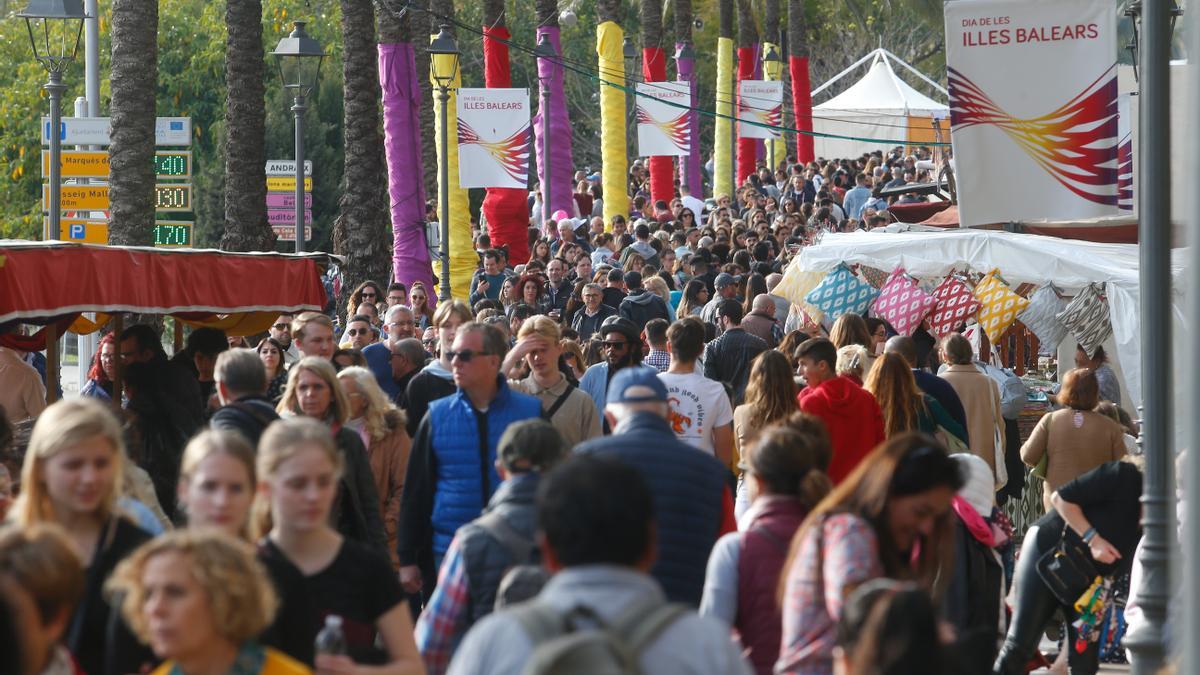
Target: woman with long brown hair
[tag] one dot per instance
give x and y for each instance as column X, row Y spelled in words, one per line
column 770, row 398
column 418, row 295
column 851, row 329
column 889, row 518
column 904, row 406
column 367, row 292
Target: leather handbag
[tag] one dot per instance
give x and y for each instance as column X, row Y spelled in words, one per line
column 1067, row 569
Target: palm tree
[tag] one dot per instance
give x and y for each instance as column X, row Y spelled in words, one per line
column 747, row 38
column 362, row 229
column 801, row 99
column 133, row 78
column 246, row 227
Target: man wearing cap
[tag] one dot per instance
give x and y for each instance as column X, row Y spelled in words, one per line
column 622, row 350
column 640, row 306
column 726, row 286
column 693, row 505
column 483, row 550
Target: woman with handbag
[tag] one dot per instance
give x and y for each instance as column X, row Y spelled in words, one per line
column 1091, row 532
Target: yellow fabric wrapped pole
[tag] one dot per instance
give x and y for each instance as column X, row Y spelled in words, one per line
column 773, row 70
column 614, row 161
column 723, row 147
column 463, row 259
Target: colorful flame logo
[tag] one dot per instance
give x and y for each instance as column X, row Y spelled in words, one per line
column 1125, row 173
column 772, row 117
column 512, row 153
column 1076, row 143
column 675, row 129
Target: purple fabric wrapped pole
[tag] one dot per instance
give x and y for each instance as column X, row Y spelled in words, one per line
column 402, row 145
column 689, row 165
column 562, row 165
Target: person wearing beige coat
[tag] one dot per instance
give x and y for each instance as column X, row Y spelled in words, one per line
column 980, row 396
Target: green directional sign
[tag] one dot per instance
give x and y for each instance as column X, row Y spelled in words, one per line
column 172, row 233
column 173, row 164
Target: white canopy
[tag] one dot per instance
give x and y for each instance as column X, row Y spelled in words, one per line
column 880, row 106
column 1021, row 258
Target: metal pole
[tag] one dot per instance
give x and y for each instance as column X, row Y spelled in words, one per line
column 1154, row 206
column 85, row 345
column 1191, row 554
column 444, row 191
column 299, row 109
column 55, row 88
column 91, row 56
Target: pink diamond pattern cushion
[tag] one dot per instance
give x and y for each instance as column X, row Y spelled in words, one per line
column 842, row 293
column 903, row 303
column 955, row 306
column 999, row 305
column 1086, row 316
column 1041, row 317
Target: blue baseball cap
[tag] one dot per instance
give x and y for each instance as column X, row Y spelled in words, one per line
column 636, row 385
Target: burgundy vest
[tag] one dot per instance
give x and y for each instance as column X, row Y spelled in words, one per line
column 765, row 542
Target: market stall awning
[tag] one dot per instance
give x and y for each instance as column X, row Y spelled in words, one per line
column 241, row 293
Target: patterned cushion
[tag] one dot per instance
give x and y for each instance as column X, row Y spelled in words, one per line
column 842, row 293
column 1087, row 318
column 903, row 303
column 999, row 305
column 1041, row 317
column 874, row 276
column 955, row 306
column 796, row 285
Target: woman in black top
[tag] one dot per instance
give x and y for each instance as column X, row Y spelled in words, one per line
column 70, row 477
column 317, row 571
column 1102, row 507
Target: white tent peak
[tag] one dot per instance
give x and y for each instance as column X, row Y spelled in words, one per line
column 881, row 90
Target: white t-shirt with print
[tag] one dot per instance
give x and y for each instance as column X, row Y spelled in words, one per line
column 698, row 405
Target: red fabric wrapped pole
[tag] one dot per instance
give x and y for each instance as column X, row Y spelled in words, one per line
column 747, row 148
column 662, row 181
column 505, row 209
column 802, row 105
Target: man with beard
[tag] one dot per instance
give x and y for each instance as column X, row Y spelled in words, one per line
column 622, row 349
column 281, row 330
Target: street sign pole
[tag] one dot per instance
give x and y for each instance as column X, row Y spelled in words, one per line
column 299, row 109
column 55, row 88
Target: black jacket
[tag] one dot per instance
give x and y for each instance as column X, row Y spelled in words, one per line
column 249, row 416
column 556, row 298
column 587, row 326
column 97, row 636
column 356, row 510
column 641, row 306
column 728, row 360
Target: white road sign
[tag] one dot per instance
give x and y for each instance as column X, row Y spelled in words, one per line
column 168, row 131
column 287, row 167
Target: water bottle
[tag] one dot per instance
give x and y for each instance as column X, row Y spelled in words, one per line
column 331, row 641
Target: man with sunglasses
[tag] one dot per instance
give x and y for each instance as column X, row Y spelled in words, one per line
column 281, row 330
column 451, row 470
column 622, row 349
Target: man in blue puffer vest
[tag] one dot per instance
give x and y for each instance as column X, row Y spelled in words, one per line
column 451, row 470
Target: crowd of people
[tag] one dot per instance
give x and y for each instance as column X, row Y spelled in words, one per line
column 626, row 452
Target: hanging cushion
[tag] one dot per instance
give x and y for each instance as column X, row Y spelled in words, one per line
column 903, row 303
column 1087, row 318
column 956, row 305
column 873, row 275
column 1041, row 317
column 796, row 285
column 999, row 305
column 842, row 293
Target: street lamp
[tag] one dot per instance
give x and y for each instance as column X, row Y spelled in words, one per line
column 443, row 67
column 55, row 27
column 1134, row 12
column 544, row 52
column 299, row 59
column 772, row 68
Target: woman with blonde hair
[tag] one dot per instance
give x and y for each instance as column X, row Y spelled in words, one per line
column 217, row 481
column 71, row 478
column 573, row 356
column 904, row 406
column 381, row 426
column 656, row 285
column 313, row 391
column 318, row 572
column 418, row 295
column 852, row 362
column 200, row 600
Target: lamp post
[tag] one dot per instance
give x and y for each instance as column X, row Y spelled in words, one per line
column 544, row 52
column 1134, row 12
column 443, row 66
column 299, row 58
column 629, row 52
column 55, row 28
column 772, row 65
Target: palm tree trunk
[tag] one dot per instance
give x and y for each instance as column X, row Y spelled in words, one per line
column 361, row 231
column 245, row 150
column 424, row 26
column 801, row 85
column 747, row 148
column 133, row 79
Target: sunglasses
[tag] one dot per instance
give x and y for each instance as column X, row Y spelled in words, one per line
column 614, row 344
column 465, row 355
column 366, row 294
column 357, row 331
column 282, row 326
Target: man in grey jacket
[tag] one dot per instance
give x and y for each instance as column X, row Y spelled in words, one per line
column 596, row 518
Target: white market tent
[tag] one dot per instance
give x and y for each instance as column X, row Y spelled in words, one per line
column 1021, row 258
column 881, row 106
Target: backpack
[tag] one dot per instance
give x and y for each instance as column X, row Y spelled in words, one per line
column 524, row 578
column 565, row 645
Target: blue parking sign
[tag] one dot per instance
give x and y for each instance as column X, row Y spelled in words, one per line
column 78, row 231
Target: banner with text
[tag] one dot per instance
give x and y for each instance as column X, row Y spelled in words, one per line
column 662, row 119
column 494, row 138
column 760, row 102
column 1033, row 108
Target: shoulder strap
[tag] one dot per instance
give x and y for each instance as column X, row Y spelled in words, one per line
column 642, row 622
column 558, row 403
column 520, row 547
column 539, row 621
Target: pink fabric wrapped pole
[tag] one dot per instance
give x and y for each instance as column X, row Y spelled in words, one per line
column 562, row 165
column 689, row 165
column 402, row 146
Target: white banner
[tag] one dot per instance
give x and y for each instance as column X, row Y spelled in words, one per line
column 494, row 138
column 1033, row 108
column 662, row 119
column 760, row 102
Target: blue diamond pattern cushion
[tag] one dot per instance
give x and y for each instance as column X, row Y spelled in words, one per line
column 842, row 293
